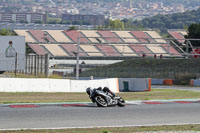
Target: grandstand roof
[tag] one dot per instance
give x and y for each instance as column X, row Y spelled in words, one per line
column 178, row 35
column 93, row 43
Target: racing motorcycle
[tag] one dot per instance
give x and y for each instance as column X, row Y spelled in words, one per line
column 104, row 98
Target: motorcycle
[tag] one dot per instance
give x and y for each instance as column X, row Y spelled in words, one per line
column 104, row 98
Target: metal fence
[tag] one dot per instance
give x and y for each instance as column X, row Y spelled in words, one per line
column 29, row 65
column 37, row 64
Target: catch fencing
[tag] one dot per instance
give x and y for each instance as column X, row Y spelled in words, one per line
column 37, row 64
column 32, row 64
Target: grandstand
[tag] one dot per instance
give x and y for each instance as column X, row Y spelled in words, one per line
column 91, row 50
column 109, row 36
column 37, row 49
column 59, row 36
column 97, row 47
column 73, row 35
column 71, row 49
column 125, row 50
column 140, row 49
column 170, row 49
column 156, row 36
column 94, row 44
column 143, row 37
column 93, row 36
column 54, row 50
column 178, row 35
column 108, row 50
column 28, row 37
column 157, row 49
column 126, row 36
column 41, row 36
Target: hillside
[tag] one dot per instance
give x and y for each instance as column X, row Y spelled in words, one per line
column 170, row 21
column 182, row 70
column 172, row 2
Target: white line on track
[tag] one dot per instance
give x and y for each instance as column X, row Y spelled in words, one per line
column 59, row 128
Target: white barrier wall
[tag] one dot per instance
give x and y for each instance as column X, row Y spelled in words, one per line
column 81, row 85
column 54, row 85
column 66, row 85
column 34, row 85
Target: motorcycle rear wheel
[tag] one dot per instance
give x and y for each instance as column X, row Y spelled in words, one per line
column 101, row 101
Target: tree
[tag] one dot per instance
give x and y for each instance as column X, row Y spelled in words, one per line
column 72, row 28
column 6, row 32
column 194, row 33
column 53, row 20
column 170, row 21
column 116, row 24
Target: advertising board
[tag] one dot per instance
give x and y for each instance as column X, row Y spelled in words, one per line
column 12, row 53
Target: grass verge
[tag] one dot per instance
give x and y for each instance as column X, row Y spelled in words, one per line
column 116, row 129
column 83, row 97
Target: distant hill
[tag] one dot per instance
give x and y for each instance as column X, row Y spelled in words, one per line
column 172, row 2
column 170, row 21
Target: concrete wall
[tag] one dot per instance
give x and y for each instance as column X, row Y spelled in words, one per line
column 157, row 81
column 81, row 85
column 66, row 85
column 54, row 85
column 134, row 84
column 34, row 85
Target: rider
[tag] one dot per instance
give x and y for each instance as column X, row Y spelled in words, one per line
column 106, row 90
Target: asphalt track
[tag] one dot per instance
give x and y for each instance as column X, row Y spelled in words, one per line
column 58, row 117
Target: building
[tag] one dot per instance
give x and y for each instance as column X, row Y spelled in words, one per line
column 90, row 19
column 23, row 17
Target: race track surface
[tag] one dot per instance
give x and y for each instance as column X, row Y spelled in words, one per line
column 56, row 117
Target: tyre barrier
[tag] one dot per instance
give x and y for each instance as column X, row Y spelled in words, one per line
column 168, row 82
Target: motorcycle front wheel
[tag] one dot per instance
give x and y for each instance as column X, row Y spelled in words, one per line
column 121, row 102
column 101, row 101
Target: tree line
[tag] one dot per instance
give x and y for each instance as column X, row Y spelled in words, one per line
column 170, row 21
column 194, row 33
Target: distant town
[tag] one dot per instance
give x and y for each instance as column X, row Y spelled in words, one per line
column 37, row 11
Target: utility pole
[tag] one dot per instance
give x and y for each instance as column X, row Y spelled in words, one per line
column 46, row 65
column 77, row 59
column 15, row 65
column 187, row 49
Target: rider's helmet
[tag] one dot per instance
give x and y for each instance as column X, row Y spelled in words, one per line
column 99, row 88
column 106, row 89
column 88, row 90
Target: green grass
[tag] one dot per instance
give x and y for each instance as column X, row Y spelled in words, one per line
column 83, row 97
column 115, row 129
column 161, row 94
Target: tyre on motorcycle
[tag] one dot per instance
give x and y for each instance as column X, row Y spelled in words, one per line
column 121, row 102
column 101, row 101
